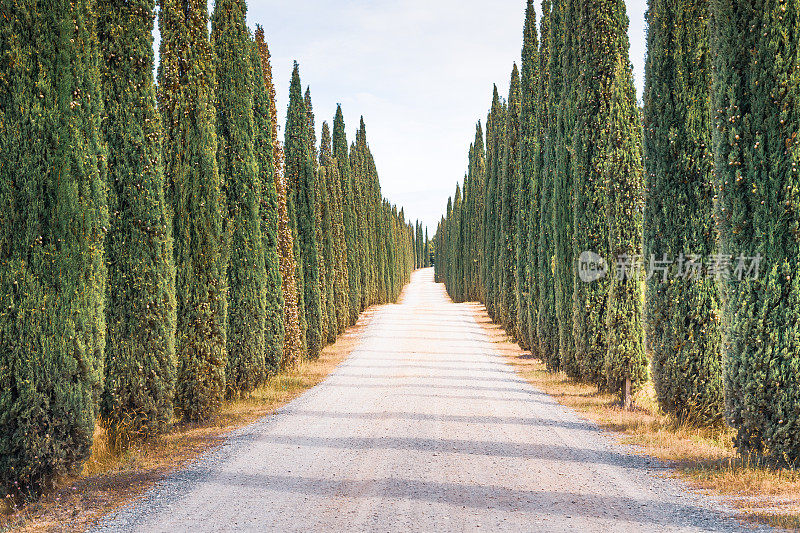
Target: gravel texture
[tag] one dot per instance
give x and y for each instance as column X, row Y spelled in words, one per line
column 423, row 428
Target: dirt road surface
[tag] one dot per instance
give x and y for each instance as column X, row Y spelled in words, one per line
column 423, row 428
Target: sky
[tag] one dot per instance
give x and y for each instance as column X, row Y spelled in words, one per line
column 419, row 71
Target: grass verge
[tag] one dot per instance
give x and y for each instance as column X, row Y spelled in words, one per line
column 110, row 480
column 704, row 457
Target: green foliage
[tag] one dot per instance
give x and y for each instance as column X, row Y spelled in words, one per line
column 527, row 189
column 195, row 191
column 301, row 180
column 336, row 247
column 494, row 149
column 590, row 224
column 757, row 154
column 549, row 93
column 140, row 313
column 53, row 219
column 683, row 316
column 509, row 181
column 571, row 118
column 349, row 215
column 237, row 162
column 265, row 159
column 621, row 149
column 565, row 68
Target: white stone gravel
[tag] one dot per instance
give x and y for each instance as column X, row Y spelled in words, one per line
column 423, row 428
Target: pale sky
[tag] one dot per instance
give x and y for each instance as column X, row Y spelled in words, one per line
column 420, row 71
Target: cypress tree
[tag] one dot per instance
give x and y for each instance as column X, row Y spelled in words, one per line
column 757, row 150
column 455, row 247
column 626, row 364
column 320, row 206
column 509, row 179
column 565, row 68
column 349, row 215
column 236, row 158
column 361, row 232
column 53, row 215
column 140, row 312
column 338, row 253
column 590, row 223
column 326, row 208
column 186, row 100
column 294, row 342
column 361, row 193
column 549, row 93
column 325, row 248
column 416, row 245
column 491, row 213
column 608, row 220
column 683, row 315
column 478, row 170
column 301, row 178
column 527, row 200
column 427, row 249
column 420, row 246
column 265, row 158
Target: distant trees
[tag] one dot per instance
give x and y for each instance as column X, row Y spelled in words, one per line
column 155, row 257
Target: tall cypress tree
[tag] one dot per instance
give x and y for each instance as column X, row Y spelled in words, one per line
column 509, row 179
column 293, row 340
column 565, row 68
column 338, row 253
column 186, row 85
column 53, row 215
column 684, row 329
column 591, row 201
column 349, row 215
column 527, row 200
column 491, row 213
column 236, row 158
column 140, row 313
column 427, row 250
column 265, row 158
column 320, row 206
column 757, row 155
column 328, row 254
column 420, row 244
column 549, row 97
column 358, row 163
column 620, row 149
column 301, row 177
column 478, row 171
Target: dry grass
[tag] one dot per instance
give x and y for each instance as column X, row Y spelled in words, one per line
column 111, row 479
column 705, row 457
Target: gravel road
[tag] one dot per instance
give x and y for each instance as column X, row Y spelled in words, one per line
column 423, row 428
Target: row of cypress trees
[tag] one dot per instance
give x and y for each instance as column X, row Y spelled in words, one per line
column 159, row 250
column 421, row 245
column 560, row 170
